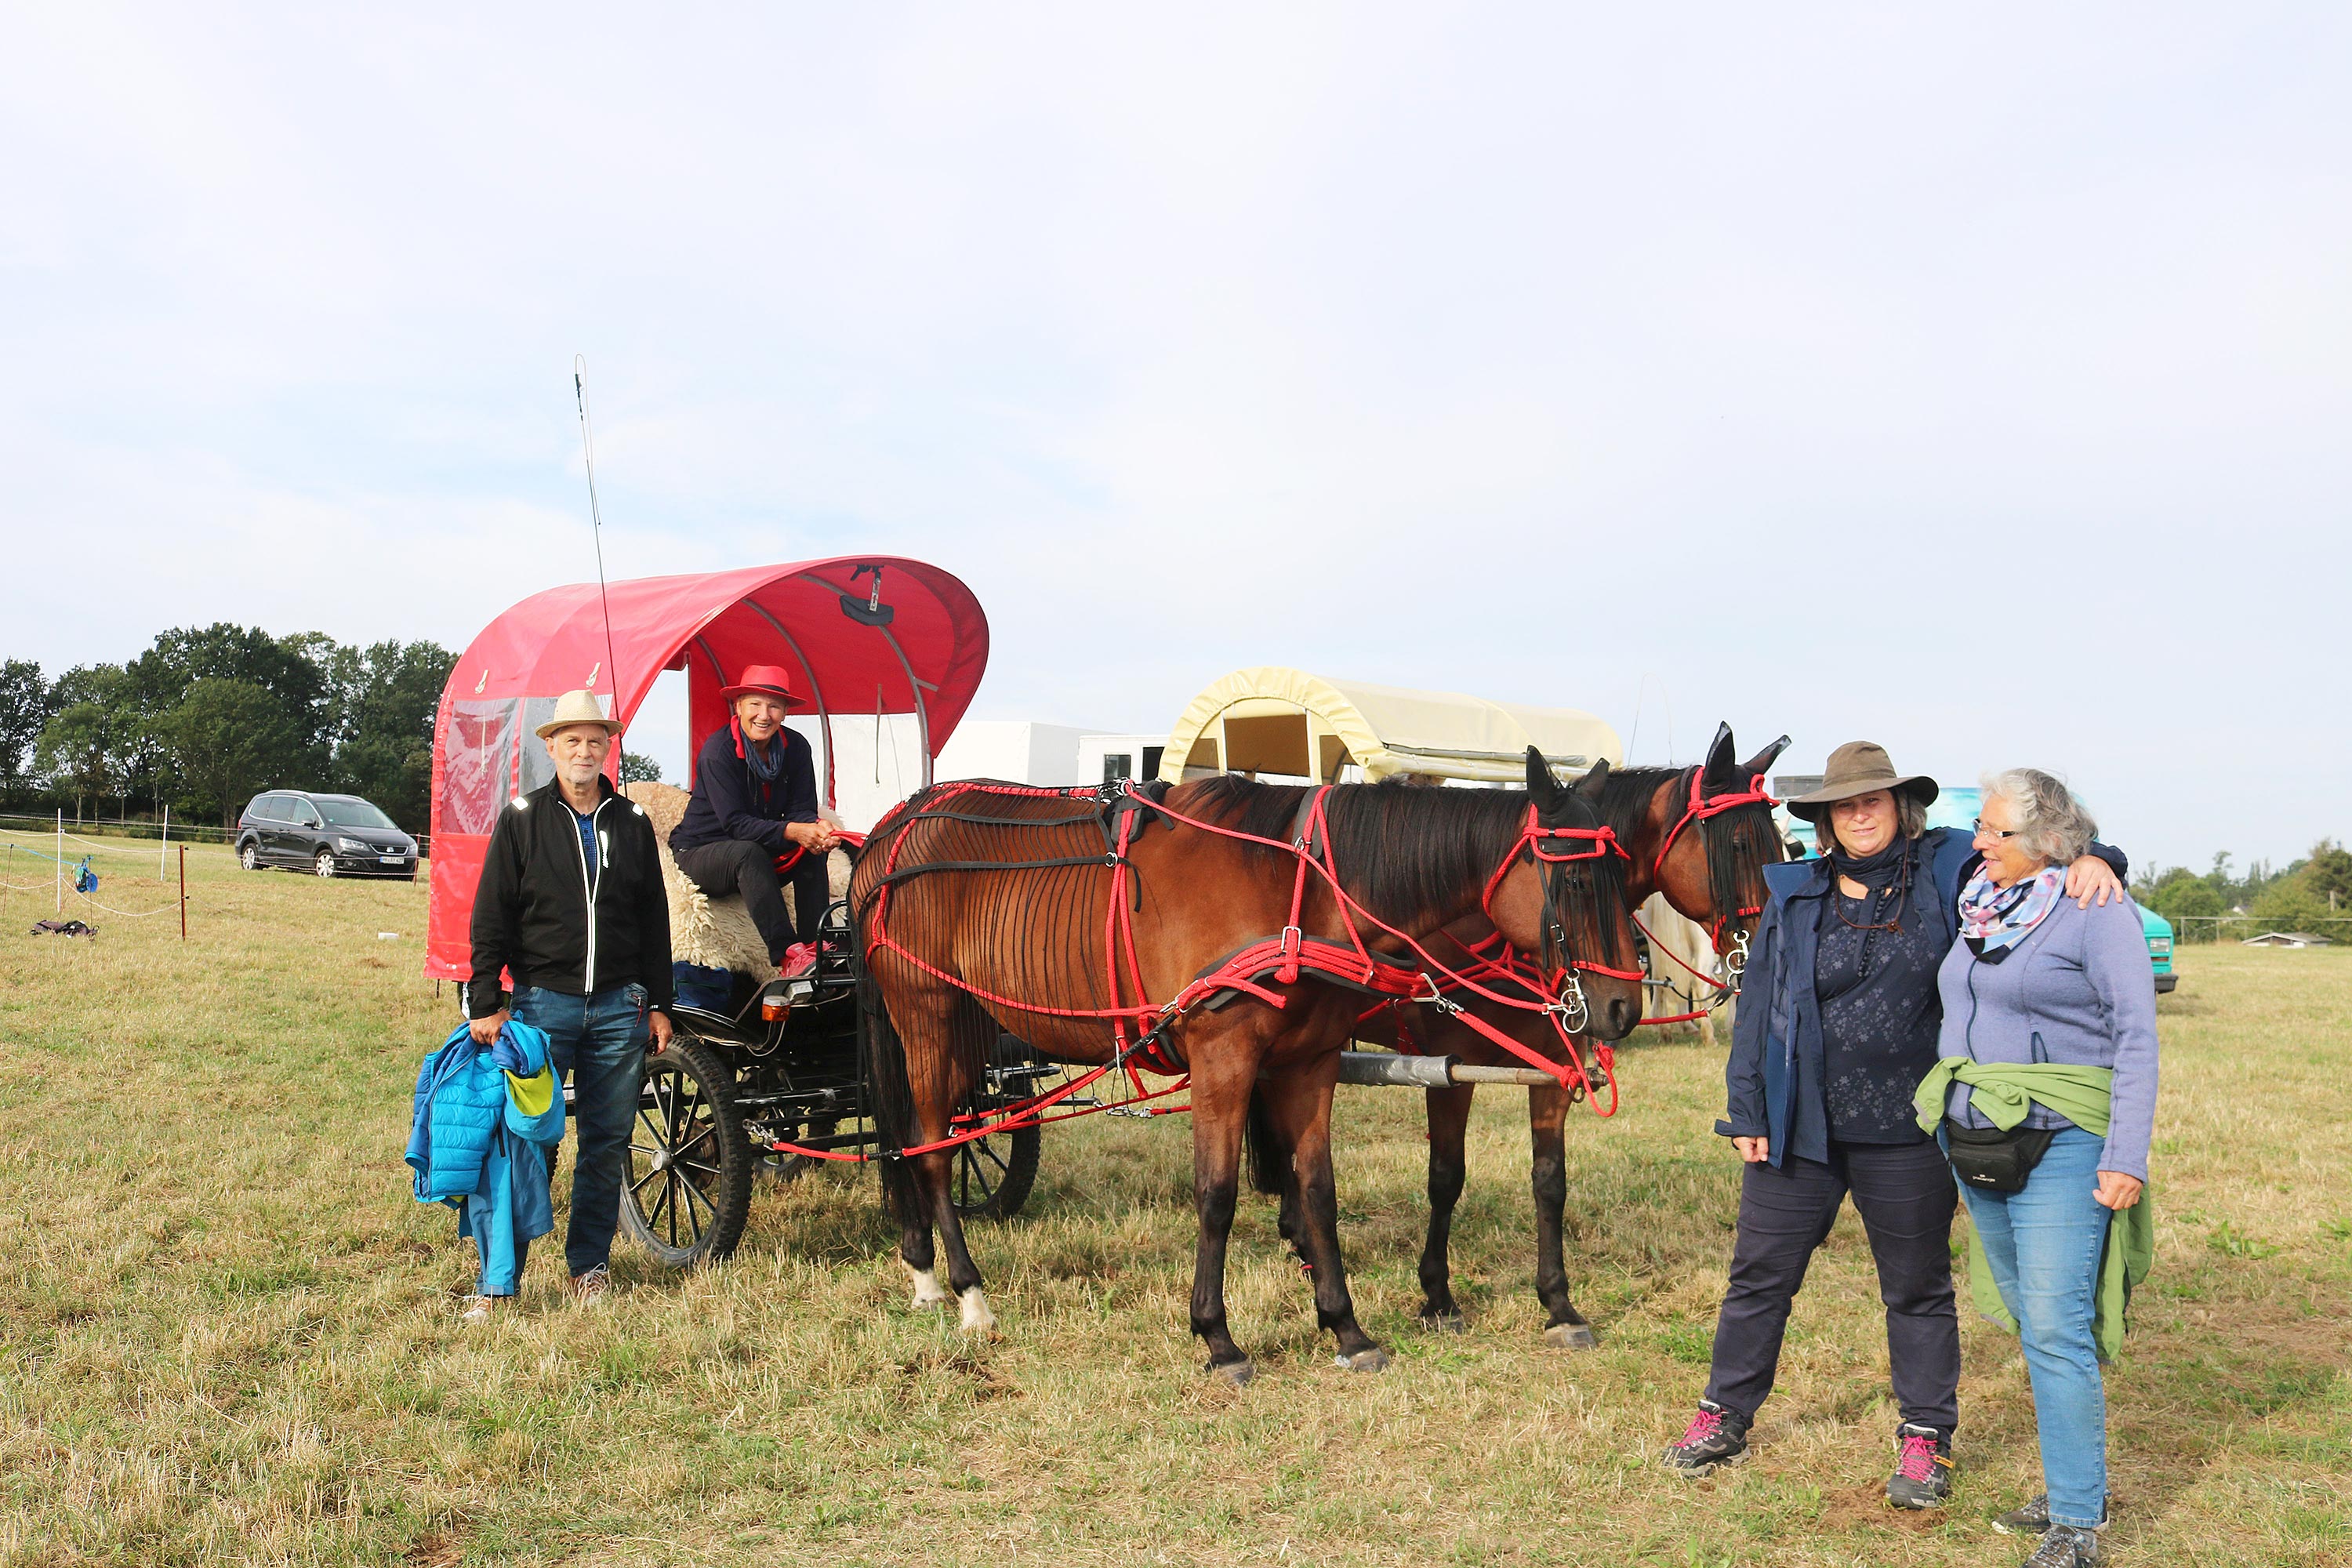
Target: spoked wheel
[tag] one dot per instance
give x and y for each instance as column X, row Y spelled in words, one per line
column 250, row 856
column 992, row 1175
column 689, row 1178
column 325, row 864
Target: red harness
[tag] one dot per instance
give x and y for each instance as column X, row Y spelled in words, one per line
column 1282, row 959
column 1701, row 807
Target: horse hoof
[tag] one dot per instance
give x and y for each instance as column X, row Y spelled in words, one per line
column 1572, row 1337
column 1443, row 1322
column 976, row 1317
column 1372, row 1360
column 1233, row 1373
column 926, row 1282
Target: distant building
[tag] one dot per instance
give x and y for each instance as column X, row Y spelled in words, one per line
column 2287, row 938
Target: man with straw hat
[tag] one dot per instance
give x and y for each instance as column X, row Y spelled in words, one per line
column 753, row 820
column 570, row 906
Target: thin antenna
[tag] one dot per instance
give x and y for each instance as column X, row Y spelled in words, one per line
column 596, row 520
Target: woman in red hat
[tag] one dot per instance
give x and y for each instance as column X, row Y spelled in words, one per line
column 754, row 808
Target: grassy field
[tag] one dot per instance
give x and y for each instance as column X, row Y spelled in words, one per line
column 226, row 1331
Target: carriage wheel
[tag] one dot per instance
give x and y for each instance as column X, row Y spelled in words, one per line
column 992, row 1176
column 689, row 1175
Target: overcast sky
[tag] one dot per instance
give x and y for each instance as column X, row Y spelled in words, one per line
column 1975, row 380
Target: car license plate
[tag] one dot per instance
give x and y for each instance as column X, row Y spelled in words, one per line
column 393, row 860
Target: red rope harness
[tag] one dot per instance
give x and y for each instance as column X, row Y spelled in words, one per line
column 1285, row 959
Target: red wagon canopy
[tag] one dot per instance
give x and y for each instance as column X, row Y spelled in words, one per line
column 859, row 634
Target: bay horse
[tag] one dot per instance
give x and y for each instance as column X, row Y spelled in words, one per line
column 1701, row 836
column 983, row 907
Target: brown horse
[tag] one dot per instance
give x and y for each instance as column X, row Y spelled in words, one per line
column 985, row 907
column 1711, row 869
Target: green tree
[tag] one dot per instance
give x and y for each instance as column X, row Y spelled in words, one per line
column 2328, row 874
column 638, row 768
column 381, row 704
column 2179, row 893
column 286, row 668
column 25, row 712
column 230, row 738
column 2292, row 904
column 77, row 754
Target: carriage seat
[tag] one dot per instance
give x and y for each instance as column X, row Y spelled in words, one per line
column 716, row 933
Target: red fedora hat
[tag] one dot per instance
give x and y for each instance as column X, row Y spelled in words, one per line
column 767, row 680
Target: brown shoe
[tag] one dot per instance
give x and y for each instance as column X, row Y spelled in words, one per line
column 592, row 1287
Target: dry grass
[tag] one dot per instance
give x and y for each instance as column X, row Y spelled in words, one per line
column 225, row 1332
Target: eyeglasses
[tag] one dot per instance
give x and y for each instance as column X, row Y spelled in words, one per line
column 1984, row 832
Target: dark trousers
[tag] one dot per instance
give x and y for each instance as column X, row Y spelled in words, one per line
column 1906, row 1196
column 740, row 865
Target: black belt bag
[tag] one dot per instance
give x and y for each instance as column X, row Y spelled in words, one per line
column 1992, row 1161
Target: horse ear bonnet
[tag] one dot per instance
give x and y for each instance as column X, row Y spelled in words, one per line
column 1721, row 761
column 1756, row 765
column 1589, row 785
column 1542, row 788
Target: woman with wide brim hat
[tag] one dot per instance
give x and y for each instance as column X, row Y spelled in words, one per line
column 753, row 820
column 1837, row 1025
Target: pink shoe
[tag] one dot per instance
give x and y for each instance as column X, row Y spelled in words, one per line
column 799, row 959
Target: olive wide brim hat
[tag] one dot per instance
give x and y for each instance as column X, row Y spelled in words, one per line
column 1856, row 768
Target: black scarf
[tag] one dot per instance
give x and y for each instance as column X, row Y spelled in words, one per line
column 1878, row 872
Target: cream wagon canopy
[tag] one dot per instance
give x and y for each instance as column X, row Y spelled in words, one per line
column 1288, row 722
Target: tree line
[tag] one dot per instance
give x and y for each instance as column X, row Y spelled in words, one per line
column 209, row 717
column 2303, row 895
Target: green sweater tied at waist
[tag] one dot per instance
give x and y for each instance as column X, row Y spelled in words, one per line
column 2002, row 1093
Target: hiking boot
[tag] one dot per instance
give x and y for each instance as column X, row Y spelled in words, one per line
column 2063, row 1546
column 589, row 1288
column 2033, row 1518
column 1717, row 1436
column 1923, row 1467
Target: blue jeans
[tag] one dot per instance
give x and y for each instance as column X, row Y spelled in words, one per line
column 598, row 1043
column 2044, row 1245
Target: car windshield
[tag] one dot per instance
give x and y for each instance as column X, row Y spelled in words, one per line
column 351, row 814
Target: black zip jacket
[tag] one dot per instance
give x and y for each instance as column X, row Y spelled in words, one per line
column 532, row 914
column 730, row 801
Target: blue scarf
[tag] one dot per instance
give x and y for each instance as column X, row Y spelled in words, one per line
column 1995, row 918
column 765, row 763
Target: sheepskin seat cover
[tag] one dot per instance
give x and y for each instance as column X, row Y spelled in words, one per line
column 717, row 933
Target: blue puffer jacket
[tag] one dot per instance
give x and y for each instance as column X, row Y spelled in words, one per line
column 1776, row 1035
column 461, row 1101
column 476, row 1147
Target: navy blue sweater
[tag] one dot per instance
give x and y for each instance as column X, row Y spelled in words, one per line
column 730, row 801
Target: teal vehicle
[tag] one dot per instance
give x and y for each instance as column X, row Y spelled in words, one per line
column 1958, row 807
column 2159, row 931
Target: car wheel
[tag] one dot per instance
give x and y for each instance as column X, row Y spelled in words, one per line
column 249, row 855
column 325, row 864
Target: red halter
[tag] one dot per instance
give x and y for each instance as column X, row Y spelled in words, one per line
column 1559, row 847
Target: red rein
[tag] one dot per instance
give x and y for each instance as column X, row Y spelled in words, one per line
column 1283, row 959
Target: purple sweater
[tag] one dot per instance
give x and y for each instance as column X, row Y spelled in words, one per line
column 2079, row 990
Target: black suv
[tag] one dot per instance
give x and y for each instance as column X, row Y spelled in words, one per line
column 332, row 835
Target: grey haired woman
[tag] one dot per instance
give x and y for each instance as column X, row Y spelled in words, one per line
column 2045, row 1091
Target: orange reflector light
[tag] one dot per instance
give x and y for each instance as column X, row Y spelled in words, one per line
column 773, row 1008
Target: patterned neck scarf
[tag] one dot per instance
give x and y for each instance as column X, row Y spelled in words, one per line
column 1994, row 920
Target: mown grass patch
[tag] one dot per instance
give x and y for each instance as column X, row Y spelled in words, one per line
column 226, row 1333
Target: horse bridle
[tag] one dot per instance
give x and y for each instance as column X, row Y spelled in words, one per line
column 1708, row 811
column 1554, row 849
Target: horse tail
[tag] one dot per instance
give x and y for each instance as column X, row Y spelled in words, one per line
column 889, row 1094
column 1269, row 1156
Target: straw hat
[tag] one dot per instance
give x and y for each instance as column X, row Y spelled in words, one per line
column 767, row 680
column 1856, row 768
column 578, row 708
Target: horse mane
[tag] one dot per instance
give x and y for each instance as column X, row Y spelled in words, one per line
column 1625, row 796
column 1400, row 849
